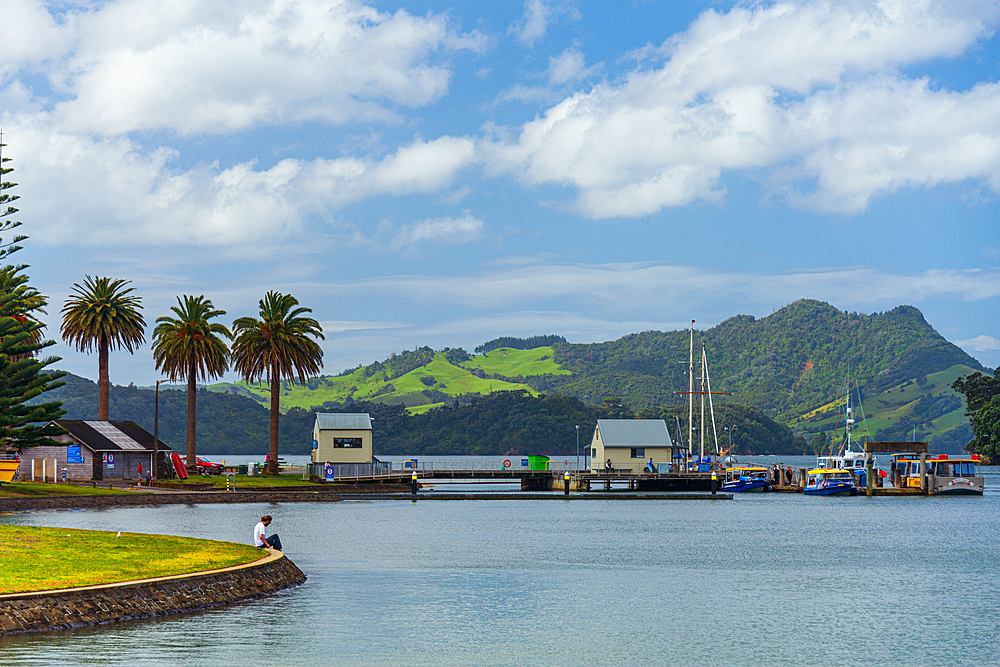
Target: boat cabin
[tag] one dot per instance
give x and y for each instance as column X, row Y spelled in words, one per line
column 829, row 482
column 945, row 476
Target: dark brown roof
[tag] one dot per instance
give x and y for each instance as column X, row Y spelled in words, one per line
column 95, row 441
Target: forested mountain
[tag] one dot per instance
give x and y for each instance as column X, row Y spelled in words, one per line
column 794, row 364
column 788, row 363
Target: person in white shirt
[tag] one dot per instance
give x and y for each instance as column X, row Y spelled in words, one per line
column 259, row 540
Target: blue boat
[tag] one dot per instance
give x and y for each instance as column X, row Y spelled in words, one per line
column 742, row 479
column 830, row 482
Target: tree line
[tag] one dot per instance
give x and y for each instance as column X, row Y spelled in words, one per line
column 982, row 406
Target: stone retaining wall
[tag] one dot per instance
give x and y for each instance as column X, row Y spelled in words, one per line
column 18, row 503
column 165, row 596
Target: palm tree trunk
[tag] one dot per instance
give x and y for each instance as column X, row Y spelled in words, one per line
column 192, row 461
column 103, row 382
column 272, row 465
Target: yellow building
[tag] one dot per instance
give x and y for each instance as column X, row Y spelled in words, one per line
column 630, row 443
column 342, row 438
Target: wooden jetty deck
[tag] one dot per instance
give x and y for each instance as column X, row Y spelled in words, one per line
column 491, row 495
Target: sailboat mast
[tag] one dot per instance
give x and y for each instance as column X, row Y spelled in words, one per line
column 711, row 406
column 702, row 458
column 691, row 391
column 848, row 418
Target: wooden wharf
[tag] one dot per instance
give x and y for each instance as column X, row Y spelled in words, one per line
column 492, row 495
column 545, row 480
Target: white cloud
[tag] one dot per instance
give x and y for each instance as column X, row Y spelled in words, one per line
column 207, row 66
column 449, row 230
column 340, row 326
column 806, row 96
column 111, row 192
column 538, row 14
column 981, row 343
column 570, row 65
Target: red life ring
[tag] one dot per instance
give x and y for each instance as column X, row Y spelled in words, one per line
column 506, row 463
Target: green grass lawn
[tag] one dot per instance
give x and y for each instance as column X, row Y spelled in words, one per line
column 39, row 489
column 33, row 558
column 245, row 481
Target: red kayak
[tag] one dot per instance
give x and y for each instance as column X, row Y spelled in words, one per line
column 179, row 466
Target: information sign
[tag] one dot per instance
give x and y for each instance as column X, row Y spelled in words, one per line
column 74, row 454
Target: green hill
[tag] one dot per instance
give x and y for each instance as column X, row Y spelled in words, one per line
column 792, row 364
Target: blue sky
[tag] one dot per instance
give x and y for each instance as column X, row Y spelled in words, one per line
column 442, row 173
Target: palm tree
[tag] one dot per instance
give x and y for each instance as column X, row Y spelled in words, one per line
column 188, row 347
column 102, row 314
column 277, row 346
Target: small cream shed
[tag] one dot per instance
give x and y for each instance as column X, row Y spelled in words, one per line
column 342, row 437
column 630, row 443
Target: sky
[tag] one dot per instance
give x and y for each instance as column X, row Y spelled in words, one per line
column 445, row 173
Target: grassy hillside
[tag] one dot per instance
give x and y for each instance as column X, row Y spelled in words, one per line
column 433, row 382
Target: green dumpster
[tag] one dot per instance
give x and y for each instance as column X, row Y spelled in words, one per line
column 241, row 470
column 538, row 463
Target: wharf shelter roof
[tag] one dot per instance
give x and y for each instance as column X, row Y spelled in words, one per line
column 634, row 433
column 110, row 436
column 344, row 421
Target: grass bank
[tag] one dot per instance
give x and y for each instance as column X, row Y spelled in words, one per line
column 35, row 559
column 14, row 489
column 248, row 482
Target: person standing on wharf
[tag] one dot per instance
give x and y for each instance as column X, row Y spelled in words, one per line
column 259, row 540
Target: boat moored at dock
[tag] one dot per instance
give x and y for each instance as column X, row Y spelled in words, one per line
column 8, row 468
column 946, row 476
column 829, row 482
column 743, row 479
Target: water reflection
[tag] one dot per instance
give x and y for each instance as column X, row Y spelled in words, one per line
column 776, row 579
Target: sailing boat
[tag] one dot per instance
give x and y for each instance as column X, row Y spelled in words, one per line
column 851, row 456
column 703, row 463
column 836, row 474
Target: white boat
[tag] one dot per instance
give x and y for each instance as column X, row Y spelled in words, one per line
column 957, row 476
column 851, row 457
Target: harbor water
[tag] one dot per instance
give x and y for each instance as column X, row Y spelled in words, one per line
column 777, row 579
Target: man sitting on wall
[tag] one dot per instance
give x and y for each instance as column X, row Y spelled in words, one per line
column 259, row 540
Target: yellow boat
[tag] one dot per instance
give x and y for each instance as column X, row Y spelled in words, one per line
column 7, row 469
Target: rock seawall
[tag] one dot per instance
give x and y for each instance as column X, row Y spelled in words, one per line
column 163, row 596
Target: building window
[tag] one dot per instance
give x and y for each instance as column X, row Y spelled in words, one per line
column 593, row 452
column 639, row 453
column 346, row 442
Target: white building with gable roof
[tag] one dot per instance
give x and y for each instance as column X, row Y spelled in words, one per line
column 340, row 437
column 630, row 443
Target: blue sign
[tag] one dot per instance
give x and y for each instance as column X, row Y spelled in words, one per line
column 328, row 471
column 524, row 463
column 74, row 454
column 315, row 445
column 109, row 459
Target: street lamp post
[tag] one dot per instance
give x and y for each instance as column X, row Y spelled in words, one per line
column 578, row 448
column 730, row 430
column 156, row 430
